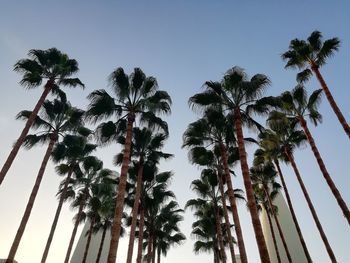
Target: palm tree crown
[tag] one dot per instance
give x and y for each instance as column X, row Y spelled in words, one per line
column 311, row 52
column 49, row 64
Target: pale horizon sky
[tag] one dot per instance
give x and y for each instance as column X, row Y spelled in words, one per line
column 182, row 44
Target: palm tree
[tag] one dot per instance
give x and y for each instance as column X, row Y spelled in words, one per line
column 72, row 149
column 240, row 95
column 136, row 95
column 286, row 137
column 88, row 174
column 204, row 230
column 57, row 69
column 269, row 152
column 55, row 119
column 106, row 213
column 155, row 193
column 296, row 104
column 211, row 159
column 102, row 192
column 215, row 129
column 313, row 53
column 207, row 189
column 146, row 147
column 166, row 229
column 263, row 177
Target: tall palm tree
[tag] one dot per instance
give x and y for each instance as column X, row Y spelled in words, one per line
column 136, row 96
column 286, row 137
column 166, row 229
column 211, row 160
column 263, row 177
column 57, row 69
column 146, row 148
column 102, row 191
column 269, row 152
column 106, row 213
column 55, row 119
column 313, row 53
column 88, row 174
column 297, row 104
column 72, row 149
column 210, row 191
column 216, row 129
column 207, row 189
column 155, row 193
column 240, row 95
column 204, row 230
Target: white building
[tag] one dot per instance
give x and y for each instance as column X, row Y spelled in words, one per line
column 289, row 231
column 79, row 250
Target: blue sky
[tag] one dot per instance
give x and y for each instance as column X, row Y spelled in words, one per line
column 182, row 44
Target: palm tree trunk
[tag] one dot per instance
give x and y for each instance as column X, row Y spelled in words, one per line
column 116, row 228
column 101, row 244
column 227, row 220
column 219, row 234
column 216, row 260
column 149, row 247
column 273, row 237
column 25, row 130
column 324, row 171
column 135, row 211
column 331, row 100
column 57, row 215
column 278, row 225
column 154, row 247
column 75, row 229
column 31, row 200
column 88, row 241
column 295, row 220
column 141, row 224
column 231, row 194
column 158, row 256
column 264, row 254
column 311, row 206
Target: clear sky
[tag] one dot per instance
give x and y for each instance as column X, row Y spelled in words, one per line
column 181, row 43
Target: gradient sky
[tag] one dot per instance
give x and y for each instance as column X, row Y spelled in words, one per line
column 183, row 44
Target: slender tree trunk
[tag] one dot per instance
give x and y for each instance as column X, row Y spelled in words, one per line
column 57, row 215
column 88, row 241
column 75, row 229
column 311, row 206
column 141, row 224
column 149, row 247
column 158, row 256
column 273, row 237
column 227, row 219
column 154, row 248
column 101, row 244
column 25, row 130
column 219, row 234
column 295, row 220
column 331, row 100
column 264, row 254
column 324, row 171
column 216, row 260
column 135, row 211
column 116, row 228
column 278, row 225
column 31, row 200
column 231, row 194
